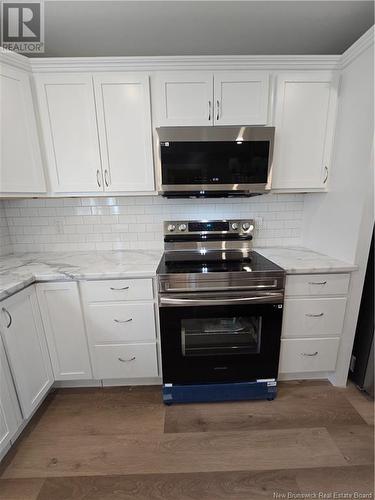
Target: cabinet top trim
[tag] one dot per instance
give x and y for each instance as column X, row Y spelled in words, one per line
column 177, row 63
column 208, row 63
column 355, row 50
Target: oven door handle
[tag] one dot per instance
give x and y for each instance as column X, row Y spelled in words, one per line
column 221, row 289
column 222, row 301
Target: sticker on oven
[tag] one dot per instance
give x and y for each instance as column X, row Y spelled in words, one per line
column 270, row 381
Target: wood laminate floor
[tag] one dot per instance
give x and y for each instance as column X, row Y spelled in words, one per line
column 124, row 444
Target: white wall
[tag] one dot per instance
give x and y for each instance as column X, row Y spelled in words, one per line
column 5, row 242
column 340, row 222
column 135, row 222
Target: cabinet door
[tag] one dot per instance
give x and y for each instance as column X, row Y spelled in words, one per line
column 21, row 169
column 26, row 348
column 124, row 120
column 62, row 317
column 241, row 98
column 304, row 120
column 67, row 111
column 10, row 414
column 185, row 98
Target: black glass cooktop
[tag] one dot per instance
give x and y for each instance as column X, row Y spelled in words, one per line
column 211, row 262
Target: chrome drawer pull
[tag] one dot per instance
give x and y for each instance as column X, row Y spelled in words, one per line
column 123, row 320
column 5, row 311
column 123, row 288
column 126, row 360
column 314, row 315
column 309, row 354
column 106, row 177
column 98, row 178
column 317, row 282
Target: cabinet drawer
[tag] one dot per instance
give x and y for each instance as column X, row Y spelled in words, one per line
column 125, row 361
column 313, row 317
column 317, row 284
column 308, row 355
column 121, row 322
column 118, row 290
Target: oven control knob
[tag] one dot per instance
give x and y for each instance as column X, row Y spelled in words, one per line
column 246, row 226
column 234, row 226
column 171, row 227
column 182, row 227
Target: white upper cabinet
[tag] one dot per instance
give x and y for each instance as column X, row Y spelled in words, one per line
column 205, row 98
column 21, row 169
column 67, row 111
column 241, row 98
column 124, row 121
column 304, row 118
column 184, row 98
column 26, row 348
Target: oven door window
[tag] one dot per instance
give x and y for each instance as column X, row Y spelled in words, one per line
column 221, row 336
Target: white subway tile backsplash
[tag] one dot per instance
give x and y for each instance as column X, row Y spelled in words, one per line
column 137, row 221
column 5, row 237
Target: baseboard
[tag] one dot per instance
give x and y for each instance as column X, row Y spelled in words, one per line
column 77, row 383
column 131, row 381
column 303, row 376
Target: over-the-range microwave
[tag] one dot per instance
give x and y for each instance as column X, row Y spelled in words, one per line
column 214, row 161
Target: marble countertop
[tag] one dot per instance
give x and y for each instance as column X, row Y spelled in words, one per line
column 301, row 260
column 17, row 271
column 20, row 270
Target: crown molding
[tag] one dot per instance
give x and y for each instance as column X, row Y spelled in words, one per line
column 355, row 50
column 180, row 63
column 14, row 59
column 173, row 63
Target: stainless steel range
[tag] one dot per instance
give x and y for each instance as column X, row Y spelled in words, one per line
column 220, row 308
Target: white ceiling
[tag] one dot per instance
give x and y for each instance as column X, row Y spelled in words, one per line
column 160, row 28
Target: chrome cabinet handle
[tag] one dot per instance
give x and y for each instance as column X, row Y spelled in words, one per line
column 98, row 178
column 5, row 311
column 217, row 109
column 309, row 353
column 326, row 176
column 314, row 315
column 209, row 110
column 123, row 320
column 317, row 282
column 126, row 360
column 123, row 288
column 106, row 177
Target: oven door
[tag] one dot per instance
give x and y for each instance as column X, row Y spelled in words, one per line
column 221, row 339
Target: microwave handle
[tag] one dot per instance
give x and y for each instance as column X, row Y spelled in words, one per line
column 222, row 301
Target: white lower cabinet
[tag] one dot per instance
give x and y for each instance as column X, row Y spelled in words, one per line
column 121, row 328
column 313, row 317
column 10, row 414
column 315, row 285
column 121, row 322
column 65, row 330
column 125, row 361
column 26, row 348
column 308, row 355
column 314, row 312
